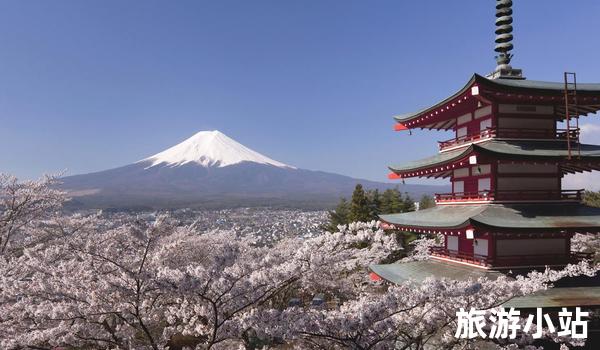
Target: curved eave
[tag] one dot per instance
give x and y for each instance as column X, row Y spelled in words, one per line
column 540, row 150
column 586, row 158
column 420, row 119
column 439, row 115
column 544, row 92
column 419, row 271
column 446, row 217
column 427, row 167
column 498, row 218
column 571, row 217
column 535, row 86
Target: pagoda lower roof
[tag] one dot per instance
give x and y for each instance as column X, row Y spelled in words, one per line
column 500, row 149
column 418, row 271
column 571, row 216
column 502, row 90
column 558, row 297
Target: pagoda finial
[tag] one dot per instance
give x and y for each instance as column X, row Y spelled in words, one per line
column 504, row 44
column 504, row 30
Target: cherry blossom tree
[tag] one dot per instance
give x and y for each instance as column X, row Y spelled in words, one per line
column 140, row 285
column 88, row 288
column 407, row 316
column 88, row 281
column 587, row 243
column 234, row 278
column 20, row 204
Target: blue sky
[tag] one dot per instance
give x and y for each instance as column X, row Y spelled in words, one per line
column 91, row 85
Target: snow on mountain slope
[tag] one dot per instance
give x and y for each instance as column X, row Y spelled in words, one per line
column 210, row 170
column 209, row 148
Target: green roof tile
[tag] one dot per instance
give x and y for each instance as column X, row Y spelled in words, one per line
column 418, row 271
column 514, row 149
column 514, row 216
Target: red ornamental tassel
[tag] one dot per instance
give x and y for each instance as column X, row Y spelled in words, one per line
column 400, row 127
column 374, row 276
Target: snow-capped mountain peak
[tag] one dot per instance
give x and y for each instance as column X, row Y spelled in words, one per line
column 210, row 148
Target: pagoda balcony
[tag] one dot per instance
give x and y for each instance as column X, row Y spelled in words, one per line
column 514, row 195
column 510, row 133
column 509, row 260
column 466, row 139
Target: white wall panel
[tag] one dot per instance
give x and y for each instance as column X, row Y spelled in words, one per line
column 452, row 243
column 480, row 246
column 462, row 172
column 464, row 119
column 483, row 112
column 481, row 169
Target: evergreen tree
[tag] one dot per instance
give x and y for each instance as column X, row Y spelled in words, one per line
column 339, row 216
column 375, row 204
column 367, row 206
column 391, row 201
column 360, row 209
column 408, row 204
column 386, row 202
column 426, row 202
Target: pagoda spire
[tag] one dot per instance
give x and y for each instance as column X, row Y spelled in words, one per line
column 504, row 44
column 504, row 30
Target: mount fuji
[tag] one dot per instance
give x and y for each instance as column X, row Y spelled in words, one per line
column 211, row 170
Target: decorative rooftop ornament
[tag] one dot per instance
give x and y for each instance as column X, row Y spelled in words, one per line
column 504, row 44
column 504, row 30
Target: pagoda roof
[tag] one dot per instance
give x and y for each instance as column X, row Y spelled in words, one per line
column 542, row 86
column 480, row 89
column 418, row 271
column 573, row 216
column 513, row 150
column 557, row 297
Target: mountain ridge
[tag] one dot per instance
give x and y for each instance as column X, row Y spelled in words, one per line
column 211, row 170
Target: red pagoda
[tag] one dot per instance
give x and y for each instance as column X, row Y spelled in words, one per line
column 507, row 209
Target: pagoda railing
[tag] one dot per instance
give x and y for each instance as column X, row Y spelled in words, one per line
column 470, row 258
column 523, row 133
column 510, row 133
column 484, row 134
column 512, row 195
column 509, row 260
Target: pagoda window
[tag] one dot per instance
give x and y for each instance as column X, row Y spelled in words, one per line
column 452, row 243
column 482, row 169
column 485, row 124
column 458, row 186
column 483, row 112
column 463, row 119
column 480, row 247
column 461, row 172
column 461, row 132
column 484, row 184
